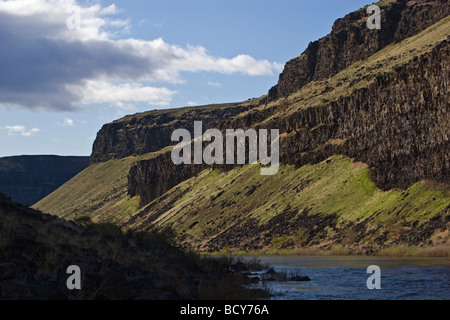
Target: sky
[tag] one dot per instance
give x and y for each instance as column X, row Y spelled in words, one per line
column 69, row 66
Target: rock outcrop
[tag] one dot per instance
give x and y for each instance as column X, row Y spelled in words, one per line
column 151, row 178
column 398, row 125
column 151, row 131
column 350, row 41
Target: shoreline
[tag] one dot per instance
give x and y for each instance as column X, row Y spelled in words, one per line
column 438, row 251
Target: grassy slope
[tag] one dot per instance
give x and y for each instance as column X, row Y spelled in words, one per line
column 212, row 202
column 99, row 191
column 202, row 207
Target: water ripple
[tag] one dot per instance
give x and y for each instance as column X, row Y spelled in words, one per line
column 344, row 278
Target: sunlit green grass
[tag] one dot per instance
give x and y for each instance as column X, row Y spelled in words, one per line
column 213, row 201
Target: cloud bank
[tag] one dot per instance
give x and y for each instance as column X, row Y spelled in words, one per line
column 21, row 130
column 58, row 55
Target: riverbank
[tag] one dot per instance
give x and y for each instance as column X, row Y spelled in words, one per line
column 394, row 251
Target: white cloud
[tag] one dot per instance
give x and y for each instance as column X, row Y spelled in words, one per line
column 214, row 84
column 18, row 129
column 192, row 103
column 60, row 67
column 168, row 60
column 51, row 18
column 111, row 9
column 68, row 122
column 101, row 91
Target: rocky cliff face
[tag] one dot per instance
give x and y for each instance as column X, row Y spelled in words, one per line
column 350, row 41
column 397, row 123
column 150, row 179
column 151, row 131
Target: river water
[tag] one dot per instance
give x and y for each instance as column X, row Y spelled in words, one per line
column 335, row 278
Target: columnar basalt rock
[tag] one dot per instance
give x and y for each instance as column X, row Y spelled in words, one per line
column 350, row 41
column 398, row 125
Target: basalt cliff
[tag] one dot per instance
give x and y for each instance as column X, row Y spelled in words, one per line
column 363, row 116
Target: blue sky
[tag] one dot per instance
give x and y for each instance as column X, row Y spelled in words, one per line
column 68, row 66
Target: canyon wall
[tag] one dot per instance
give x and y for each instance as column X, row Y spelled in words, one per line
column 151, row 131
column 397, row 124
column 350, row 41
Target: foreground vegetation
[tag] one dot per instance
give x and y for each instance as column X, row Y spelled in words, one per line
column 36, row 249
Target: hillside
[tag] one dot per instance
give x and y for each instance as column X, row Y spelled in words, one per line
column 37, row 249
column 330, row 205
column 327, row 205
column 363, row 117
column 28, row 179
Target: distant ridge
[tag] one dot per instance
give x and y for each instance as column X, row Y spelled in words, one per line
column 28, row 179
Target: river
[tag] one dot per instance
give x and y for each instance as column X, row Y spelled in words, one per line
column 345, row 278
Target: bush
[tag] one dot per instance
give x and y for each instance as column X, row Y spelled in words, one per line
column 83, row 221
column 155, row 238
